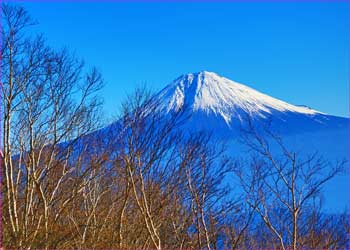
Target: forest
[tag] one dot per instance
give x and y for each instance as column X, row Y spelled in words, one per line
column 71, row 182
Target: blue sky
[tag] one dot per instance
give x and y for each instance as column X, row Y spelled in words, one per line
column 297, row 52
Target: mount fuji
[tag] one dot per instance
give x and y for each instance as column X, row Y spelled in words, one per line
column 217, row 104
column 223, row 107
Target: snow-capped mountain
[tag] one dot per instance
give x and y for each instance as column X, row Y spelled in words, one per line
column 216, row 104
column 221, row 105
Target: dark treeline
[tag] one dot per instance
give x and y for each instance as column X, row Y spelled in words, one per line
column 140, row 183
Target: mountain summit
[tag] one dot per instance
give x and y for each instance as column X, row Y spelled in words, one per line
column 217, row 102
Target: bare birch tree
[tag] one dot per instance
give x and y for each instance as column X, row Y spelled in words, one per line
column 147, row 148
column 49, row 104
column 281, row 185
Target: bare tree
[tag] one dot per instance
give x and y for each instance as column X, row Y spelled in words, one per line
column 205, row 168
column 279, row 188
column 147, row 148
column 48, row 106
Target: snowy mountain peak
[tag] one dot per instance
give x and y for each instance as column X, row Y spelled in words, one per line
column 210, row 93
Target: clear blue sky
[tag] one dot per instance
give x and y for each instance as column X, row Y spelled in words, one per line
column 297, row 52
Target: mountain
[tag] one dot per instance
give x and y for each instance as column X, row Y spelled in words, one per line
column 221, row 105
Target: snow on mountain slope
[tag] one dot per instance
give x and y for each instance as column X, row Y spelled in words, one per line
column 217, row 102
column 210, row 92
